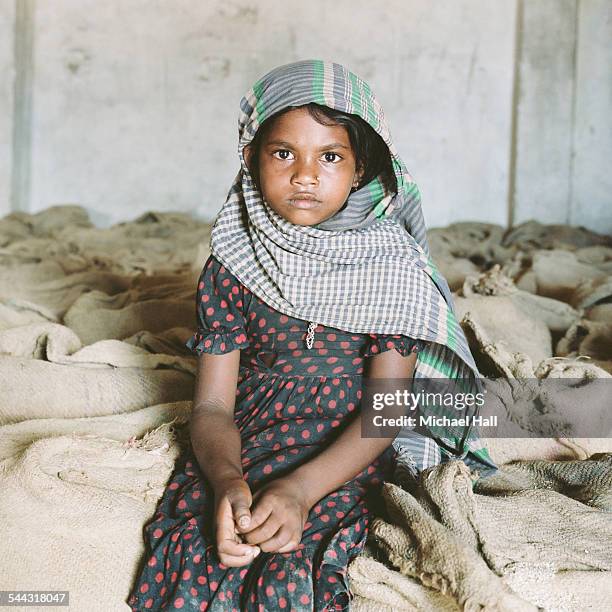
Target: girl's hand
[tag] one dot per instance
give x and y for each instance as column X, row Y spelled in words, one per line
column 232, row 502
column 277, row 522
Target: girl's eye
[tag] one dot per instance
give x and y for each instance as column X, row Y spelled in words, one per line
column 330, row 153
column 283, row 153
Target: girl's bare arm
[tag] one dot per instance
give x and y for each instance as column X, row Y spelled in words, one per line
column 215, row 440
column 350, row 453
column 214, row 436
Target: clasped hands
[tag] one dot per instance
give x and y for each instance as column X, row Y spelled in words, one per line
column 276, row 524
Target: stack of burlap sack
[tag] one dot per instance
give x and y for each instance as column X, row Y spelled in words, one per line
column 95, row 397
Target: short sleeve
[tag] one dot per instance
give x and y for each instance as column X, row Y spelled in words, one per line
column 404, row 345
column 221, row 325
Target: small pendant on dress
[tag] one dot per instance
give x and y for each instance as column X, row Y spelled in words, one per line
column 310, row 334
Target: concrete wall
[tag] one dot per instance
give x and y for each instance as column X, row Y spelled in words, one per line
column 500, row 108
column 7, row 51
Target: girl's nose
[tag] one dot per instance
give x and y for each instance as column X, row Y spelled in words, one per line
column 306, row 173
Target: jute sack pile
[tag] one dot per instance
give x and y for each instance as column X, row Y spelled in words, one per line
column 96, row 385
column 534, row 518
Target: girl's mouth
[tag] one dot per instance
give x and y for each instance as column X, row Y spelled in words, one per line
column 304, row 204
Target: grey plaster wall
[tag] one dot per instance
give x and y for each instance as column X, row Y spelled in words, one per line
column 7, row 50
column 500, row 108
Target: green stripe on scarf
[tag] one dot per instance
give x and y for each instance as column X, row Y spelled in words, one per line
column 260, row 109
column 377, row 191
column 317, row 82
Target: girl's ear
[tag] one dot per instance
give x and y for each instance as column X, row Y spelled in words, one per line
column 248, row 153
column 359, row 172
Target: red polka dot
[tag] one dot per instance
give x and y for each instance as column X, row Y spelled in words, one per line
column 179, row 603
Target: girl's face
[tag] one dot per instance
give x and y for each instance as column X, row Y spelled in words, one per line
column 306, row 170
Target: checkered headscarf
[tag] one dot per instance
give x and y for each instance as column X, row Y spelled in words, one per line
column 366, row 269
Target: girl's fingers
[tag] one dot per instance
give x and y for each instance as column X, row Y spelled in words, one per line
column 225, row 532
column 234, row 560
column 290, row 546
column 263, row 532
column 240, row 501
column 224, row 522
column 259, row 516
column 279, row 540
column 231, row 548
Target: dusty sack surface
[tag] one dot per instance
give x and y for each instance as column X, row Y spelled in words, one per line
column 95, row 390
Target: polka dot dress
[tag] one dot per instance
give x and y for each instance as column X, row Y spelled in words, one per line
column 290, row 402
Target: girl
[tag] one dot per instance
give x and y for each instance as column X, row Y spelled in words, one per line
column 319, row 268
